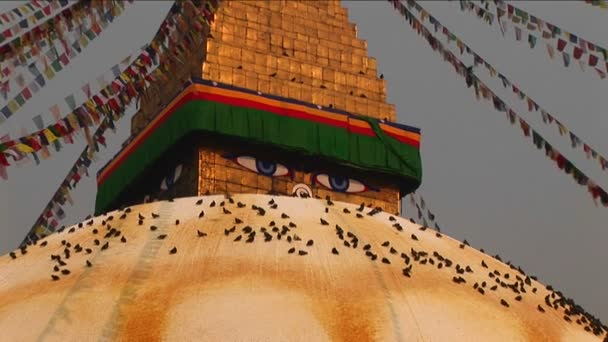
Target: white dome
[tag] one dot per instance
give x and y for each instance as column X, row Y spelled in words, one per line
column 213, row 288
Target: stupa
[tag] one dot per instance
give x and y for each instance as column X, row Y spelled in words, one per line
column 258, row 199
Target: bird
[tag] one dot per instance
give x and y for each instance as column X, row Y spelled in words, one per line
column 540, row 308
column 293, row 79
column 123, row 239
column 176, row 222
column 359, row 215
column 518, row 298
column 310, row 243
column 201, row 234
column 385, row 244
column 89, row 251
column 301, row 252
column 285, row 53
column 274, row 74
column 199, row 202
column 324, row 223
column 155, row 215
column 153, row 228
column 381, row 76
column 346, row 211
column 173, row 250
column 366, row 247
column 284, row 216
column 238, row 238
column 54, row 277
column 291, row 250
column 95, row 231
column 66, row 272
column 268, row 237
column 105, row 246
column 212, row 204
column 240, row 67
column 162, row 236
column 504, row 303
column 140, row 216
column 386, row 261
column 44, row 243
column 89, row 263
column 334, row 251
column 414, row 237
column 13, row 255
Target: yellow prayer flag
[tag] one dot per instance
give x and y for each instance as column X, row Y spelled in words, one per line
column 125, row 77
column 24, row 148
column 49, row 135
column 84, row 42
column 13, row 106
column 49, row 73
column 90, row 104
column 73, row 121
column 39, row 230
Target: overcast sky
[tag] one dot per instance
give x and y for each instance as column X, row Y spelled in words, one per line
column 481, row 178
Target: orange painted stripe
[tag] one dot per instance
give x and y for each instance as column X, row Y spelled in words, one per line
column 270, row 102
column 400, row 132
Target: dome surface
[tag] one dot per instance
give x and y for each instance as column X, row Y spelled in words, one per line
column 213, row 268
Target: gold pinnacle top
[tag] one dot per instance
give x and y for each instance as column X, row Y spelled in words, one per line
column 305, row 50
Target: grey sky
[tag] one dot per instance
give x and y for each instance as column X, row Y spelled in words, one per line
column 483, row 180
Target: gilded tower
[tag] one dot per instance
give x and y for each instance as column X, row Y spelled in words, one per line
column 304, row 51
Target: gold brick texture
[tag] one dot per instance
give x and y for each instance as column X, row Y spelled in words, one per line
column 306, row 50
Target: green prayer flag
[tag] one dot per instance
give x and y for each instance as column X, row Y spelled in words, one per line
column 90, row 34
column 56, row 65
column 532, row 40
column 20, row 100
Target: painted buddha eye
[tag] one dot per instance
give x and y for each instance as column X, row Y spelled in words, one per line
column 340, row 184
column 262, row 167
column 171, row 179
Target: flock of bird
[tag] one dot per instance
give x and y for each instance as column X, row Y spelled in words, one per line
column 510, row 287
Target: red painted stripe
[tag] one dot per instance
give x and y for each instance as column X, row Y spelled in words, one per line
column 361, row 130
column 405, row 140
column 240, row 102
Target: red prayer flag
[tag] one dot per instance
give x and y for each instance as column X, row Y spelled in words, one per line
column 26, row 93
column 593, row 60
column 578, row 52
column 561, row 44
